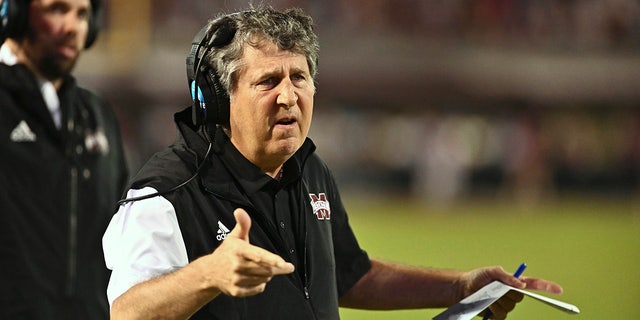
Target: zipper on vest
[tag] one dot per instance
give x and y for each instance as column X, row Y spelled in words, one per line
column 73, row 230
column 305, row 281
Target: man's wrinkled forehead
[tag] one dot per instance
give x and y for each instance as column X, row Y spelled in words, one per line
column 269, row 52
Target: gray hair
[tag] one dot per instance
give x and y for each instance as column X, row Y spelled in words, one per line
column 290, row 30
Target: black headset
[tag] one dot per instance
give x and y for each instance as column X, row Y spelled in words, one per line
column 14, row 20
column 210, row 98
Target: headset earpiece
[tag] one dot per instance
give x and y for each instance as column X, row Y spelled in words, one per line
column 95, row 23
column 210, row 98
column 14, row 20
column 212, row 105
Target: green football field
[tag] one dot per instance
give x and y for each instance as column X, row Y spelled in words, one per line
column 591, row 247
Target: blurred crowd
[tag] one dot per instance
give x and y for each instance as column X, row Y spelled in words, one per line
column 442, row 138
column 555, row 23
column 519, row 153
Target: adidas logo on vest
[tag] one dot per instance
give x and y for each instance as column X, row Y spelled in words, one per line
column 223, row 231
column 22, row 133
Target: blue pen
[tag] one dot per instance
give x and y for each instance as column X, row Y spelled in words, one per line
column 516, row 274
column 520, row 270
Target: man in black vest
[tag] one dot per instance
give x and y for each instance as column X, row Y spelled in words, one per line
column 240, row 218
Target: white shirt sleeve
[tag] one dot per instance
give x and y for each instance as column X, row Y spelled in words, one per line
column 143, row 241
column 7, row 56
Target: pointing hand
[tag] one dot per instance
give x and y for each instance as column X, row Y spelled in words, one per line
column 241, row 269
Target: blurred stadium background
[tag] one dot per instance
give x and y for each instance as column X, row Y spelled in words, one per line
column 509, row 128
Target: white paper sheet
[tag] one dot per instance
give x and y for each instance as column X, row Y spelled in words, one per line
column 472, row 305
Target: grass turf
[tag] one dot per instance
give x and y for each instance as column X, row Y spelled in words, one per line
column 591, row 247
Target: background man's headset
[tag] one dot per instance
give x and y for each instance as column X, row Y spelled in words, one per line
column 210, row 99
column 14, row 20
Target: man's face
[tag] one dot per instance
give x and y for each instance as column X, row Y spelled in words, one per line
column 57, row 33
column 271, row 106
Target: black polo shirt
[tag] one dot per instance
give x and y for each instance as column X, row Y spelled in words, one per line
column 278, row 200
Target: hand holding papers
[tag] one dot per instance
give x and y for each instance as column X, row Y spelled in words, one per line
column 517, row 274
column 472, row 305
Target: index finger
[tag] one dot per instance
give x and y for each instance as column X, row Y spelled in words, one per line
column 542, row 285
column 274, row 262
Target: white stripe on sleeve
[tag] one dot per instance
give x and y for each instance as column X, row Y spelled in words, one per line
column 143, row 241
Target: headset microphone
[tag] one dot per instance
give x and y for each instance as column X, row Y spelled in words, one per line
column 159, row 193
